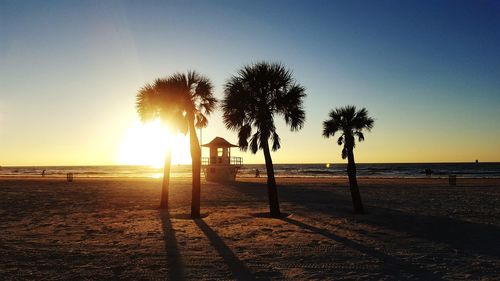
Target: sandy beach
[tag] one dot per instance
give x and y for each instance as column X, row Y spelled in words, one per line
column 111, row 229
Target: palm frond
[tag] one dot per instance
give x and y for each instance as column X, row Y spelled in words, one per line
column 179, row 122
column 207, row 105
column 181, row 81
column 361, row 121
column 146, row 103
column 192, row 79
column 344, row 153
column 255, row 142
column 331, row 126
column 201, row 120
column 291, row 106
column 236, row 104
column 276, row 141
column 360, row 135
column 243, row 135
column 203, row 95
column 340, row 141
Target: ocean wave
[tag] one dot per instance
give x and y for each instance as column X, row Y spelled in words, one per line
column 393, row 170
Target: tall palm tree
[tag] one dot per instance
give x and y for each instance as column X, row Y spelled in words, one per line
column 350, row 123
column 162, row 101
column 251, row 100
column 199, row 102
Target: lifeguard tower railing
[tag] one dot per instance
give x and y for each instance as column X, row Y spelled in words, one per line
column 234, row 161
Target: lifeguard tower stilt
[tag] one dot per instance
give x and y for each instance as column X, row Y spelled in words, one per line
column 220, row 166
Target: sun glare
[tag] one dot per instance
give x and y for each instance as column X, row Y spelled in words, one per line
column 146, row 144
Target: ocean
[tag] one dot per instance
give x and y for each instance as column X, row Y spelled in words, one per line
column 383, row 170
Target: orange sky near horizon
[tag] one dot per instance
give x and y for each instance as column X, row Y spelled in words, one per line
column 132, row 143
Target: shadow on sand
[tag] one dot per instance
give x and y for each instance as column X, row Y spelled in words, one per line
column 175, row 266
column 458, row 234
column 392, row 265
column 236, row 266
column 267, row 215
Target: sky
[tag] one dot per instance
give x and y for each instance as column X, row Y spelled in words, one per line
column 427, row 71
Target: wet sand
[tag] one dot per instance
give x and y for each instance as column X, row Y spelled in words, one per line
column 109, row 229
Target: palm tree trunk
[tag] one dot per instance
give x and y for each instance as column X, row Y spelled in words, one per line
column 166, row 180
column 196, row 169
column 272, row 190
column 353, row 182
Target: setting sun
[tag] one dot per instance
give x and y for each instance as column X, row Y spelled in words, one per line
column 146, row 144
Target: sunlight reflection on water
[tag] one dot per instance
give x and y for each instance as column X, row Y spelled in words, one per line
column 156, row 176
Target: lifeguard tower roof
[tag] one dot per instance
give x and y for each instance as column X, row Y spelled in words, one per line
column 219, row 142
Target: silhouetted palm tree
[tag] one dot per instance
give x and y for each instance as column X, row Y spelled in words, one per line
column 162, row 101
column 199, row 103
column 252, row 98
column 350, row 123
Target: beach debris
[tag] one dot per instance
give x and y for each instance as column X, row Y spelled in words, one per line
column 452, row 179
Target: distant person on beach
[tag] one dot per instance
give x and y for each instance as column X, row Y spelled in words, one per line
column 43, row 173
column 69, row 177
column 257, row 173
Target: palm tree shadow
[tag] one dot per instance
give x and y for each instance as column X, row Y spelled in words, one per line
column 392, row 265
column 466, row 236
column 175, row 266
column 236, row 266
column 463, row 235
column 459, row 234
column 297, row 196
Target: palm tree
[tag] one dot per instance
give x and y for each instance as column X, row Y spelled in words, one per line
column 350, row 123
column 252, row 98
column 162, row 101
column 199, row 102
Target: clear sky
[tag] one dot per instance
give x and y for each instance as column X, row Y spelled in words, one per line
column 427, row 71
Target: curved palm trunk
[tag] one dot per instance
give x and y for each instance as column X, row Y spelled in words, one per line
column 196, row 169
column 272, row 190
column 353, row 182
column 166, row 180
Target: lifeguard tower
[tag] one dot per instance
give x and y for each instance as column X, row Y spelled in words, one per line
column 220, row 166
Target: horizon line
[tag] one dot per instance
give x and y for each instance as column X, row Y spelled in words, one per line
column 305, row 163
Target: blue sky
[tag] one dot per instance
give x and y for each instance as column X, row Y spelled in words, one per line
column 427, row 71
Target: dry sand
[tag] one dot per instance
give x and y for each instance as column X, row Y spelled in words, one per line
column 111, row 229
